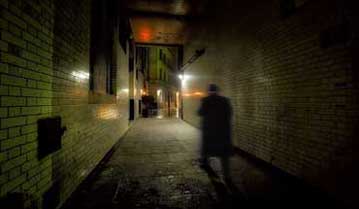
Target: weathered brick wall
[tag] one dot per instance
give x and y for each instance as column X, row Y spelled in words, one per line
column 295, row 102
column 44, row 66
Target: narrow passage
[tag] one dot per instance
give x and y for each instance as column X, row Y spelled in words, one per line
column 155, row 166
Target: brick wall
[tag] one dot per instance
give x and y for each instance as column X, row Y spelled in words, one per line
column 44, row 67
column 293, row 89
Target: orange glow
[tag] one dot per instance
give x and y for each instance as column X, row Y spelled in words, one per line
column 145, row 34
column 197, row 93
column 143, row 92
column 107, row 112
column 177, row 99
column 194, row 94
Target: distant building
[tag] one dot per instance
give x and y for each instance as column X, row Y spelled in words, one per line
column 142, row 69
column 161, row 80
column 141, row 75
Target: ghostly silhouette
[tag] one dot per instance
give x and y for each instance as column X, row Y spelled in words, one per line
column 216, row 113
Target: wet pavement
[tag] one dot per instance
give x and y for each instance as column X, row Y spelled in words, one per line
column 155, row 166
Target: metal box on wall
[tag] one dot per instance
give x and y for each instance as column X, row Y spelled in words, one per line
column 50, row 133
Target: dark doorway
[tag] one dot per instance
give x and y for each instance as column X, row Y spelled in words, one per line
column 132, row 109
column 139, row 107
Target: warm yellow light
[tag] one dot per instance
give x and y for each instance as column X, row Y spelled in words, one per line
column 107, row 112
column 194, row 94
column 177, row 99
column 143, row 92
column 197, row 93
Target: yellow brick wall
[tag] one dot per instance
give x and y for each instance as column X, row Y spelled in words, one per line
column 44, row 46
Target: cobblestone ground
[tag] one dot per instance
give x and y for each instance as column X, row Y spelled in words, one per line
column 155, row 166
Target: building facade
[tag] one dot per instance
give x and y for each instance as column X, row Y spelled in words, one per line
column 162, row 79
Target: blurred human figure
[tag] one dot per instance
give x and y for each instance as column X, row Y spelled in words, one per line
column 216, row 113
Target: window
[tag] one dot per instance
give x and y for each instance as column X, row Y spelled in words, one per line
column 161, row 54
column 102, row 74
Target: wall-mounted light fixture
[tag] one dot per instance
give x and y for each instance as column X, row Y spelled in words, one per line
column 198, row 53
column 125, row 91
column 80, row 75
column 184, row 78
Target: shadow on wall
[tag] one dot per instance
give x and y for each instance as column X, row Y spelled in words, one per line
column 18, row 201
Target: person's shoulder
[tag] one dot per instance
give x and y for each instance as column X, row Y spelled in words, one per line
column 205, row 99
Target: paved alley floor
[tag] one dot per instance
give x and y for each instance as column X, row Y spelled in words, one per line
column 155, row 166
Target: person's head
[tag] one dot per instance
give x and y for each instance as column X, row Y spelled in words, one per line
column 212, row 89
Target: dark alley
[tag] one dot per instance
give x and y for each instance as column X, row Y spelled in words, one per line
column 179, row 104
column 155, row 166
